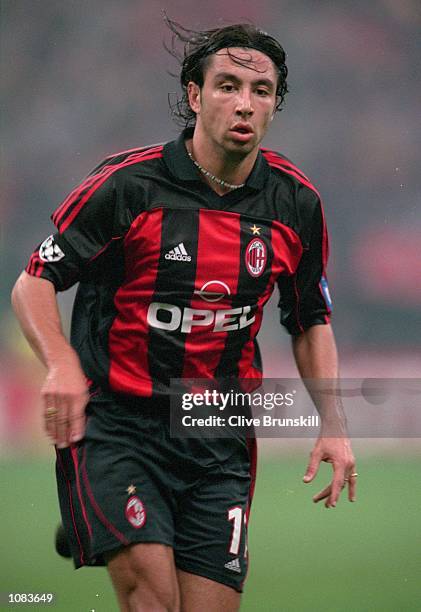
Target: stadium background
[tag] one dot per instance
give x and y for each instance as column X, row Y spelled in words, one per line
column 82, row 79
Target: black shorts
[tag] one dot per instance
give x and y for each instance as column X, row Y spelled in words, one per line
column 129, row 481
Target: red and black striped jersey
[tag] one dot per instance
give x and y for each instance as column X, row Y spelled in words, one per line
column 172, row 277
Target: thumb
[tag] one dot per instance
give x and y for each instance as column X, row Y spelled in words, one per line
column 312, row 468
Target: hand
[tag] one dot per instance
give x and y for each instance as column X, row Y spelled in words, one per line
column 338, row 452
column 65, row 395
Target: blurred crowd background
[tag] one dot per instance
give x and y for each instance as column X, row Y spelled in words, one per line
column 83, row 79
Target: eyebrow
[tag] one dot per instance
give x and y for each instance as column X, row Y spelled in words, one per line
column 222, row 76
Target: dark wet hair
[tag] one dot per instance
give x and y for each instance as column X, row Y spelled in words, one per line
column 198, row 46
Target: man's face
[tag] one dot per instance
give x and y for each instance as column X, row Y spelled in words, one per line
column 236, row 103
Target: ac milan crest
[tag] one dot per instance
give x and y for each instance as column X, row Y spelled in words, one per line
column 135, row 512
column 50, row 251
column 256, row 257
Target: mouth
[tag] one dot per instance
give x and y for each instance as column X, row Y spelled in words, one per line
column 242, row 132
column 242, row 128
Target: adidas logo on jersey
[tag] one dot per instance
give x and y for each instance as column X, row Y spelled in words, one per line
column 234, row 565
column 179, row 253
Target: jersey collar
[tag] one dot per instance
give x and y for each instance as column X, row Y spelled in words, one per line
column 182, row 168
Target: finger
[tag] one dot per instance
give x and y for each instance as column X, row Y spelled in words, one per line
column 62, row 421
column 77, row 422
column 322, row 494
column 352, row 488
column 337, row 486
column 312, row 468
column 50, row 415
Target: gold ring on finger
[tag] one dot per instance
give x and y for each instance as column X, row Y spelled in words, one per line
column 51, row 412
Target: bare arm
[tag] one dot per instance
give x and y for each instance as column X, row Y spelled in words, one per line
column 65, row 391
column 316, row 357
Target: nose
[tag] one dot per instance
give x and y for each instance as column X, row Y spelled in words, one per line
column 244, row 105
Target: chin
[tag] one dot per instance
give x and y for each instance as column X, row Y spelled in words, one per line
column 240, row 148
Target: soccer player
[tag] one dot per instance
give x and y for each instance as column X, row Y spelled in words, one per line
column 176, row 249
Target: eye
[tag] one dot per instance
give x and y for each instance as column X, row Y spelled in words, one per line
column 262, row 92
column 227, row 87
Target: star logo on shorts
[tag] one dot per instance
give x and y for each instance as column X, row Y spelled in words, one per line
column 255, row 229
column 131, row 489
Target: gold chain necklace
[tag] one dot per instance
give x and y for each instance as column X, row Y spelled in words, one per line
column 212, row 177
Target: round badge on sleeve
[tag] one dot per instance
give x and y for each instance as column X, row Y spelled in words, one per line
column 49, row 250
column 256, row 257
column 135, row 512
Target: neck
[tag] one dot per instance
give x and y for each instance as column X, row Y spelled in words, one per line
column 229, row 167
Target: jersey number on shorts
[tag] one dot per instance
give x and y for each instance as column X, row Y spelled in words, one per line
column 236, row 516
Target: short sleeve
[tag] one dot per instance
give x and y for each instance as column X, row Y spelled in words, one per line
column 304, row 296
column 86, row 225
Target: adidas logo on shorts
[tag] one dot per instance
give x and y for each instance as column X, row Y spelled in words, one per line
column 179, row 253
column 234, row 565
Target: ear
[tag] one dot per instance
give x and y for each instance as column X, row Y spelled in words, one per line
column 193, row 93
